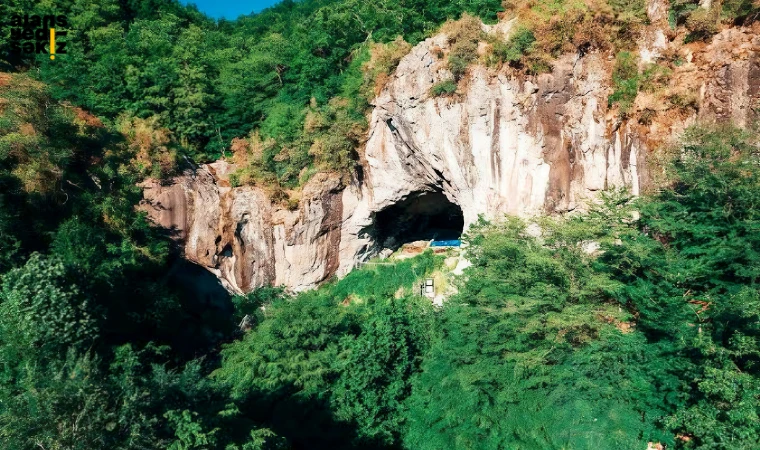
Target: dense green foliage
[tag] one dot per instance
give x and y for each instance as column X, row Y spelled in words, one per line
column 651, row 336
column 331, row 368
column 86, row 313
column 446, row 87
column 628, row 79
column 513, row 49
column 706, row 228
column 209, row 82
column 528, row 354
column 625, row 81
column 636, row 322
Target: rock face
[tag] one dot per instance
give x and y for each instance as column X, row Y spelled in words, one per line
column 501, row 145
column 245, row 240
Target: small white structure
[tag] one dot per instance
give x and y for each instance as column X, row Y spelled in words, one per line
column 427, row 288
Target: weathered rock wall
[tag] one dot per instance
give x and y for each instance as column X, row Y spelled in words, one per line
column 506, row 145
column 247, row 241
column 502, row 145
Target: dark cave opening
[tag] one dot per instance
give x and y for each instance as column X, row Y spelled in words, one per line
column 424, row 216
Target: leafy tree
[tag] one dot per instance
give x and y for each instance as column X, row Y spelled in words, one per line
column 190, row 434
column 512, row 365
column 697, row 287
column 41, row 307
column 85, row 273
column 299, row 370
column 54, row 404
column 376, row 375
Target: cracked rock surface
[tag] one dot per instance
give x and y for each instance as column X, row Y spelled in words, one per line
column 503, row 144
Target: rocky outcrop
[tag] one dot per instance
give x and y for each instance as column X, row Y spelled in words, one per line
column 247, row 241
column 503, row 144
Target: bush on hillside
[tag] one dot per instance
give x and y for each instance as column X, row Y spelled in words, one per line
column 519, row 44
column 382, row 62
column 443, row 88
column 463, row 36
column 151, row 145
column 625, row 81
column 702, row 24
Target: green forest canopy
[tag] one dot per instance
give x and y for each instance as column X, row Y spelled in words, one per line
column 211, row 81
column 298, row 77
column 653, row 338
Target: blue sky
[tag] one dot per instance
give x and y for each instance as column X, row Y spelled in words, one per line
column 230, row 9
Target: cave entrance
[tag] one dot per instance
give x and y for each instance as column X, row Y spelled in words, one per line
column 421, row 217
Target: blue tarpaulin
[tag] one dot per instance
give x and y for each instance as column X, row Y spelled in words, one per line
column 451, row 243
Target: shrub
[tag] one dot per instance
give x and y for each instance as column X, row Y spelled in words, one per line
column 467, row 28
column 442, row 88
column 629, row 10
column 248, row 156
column 336, row 137
column 382, row 62
column 292, row 203
column 680, row 10
column 625, row 80
column 41, row 307
column 654, row 77
column 515, row 47
column 235, row 179
column 647, row 116
column 463, row 36
column 739, row 9
column 35, row 134
column 684, row 101
column 702, row 24
column 459, row 62
column 151, row 146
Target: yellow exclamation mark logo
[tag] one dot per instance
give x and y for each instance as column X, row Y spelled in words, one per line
column 52, row 43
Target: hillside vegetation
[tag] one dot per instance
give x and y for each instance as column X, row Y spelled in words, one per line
column 292, row 74
column 652, row 337
column 294, row 82
column 550, row 343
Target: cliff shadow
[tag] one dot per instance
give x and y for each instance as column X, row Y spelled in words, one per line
column 307, row 422
column 207, row 307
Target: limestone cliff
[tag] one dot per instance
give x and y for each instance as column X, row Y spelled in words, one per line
column 246, row 240
column 503, row 144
